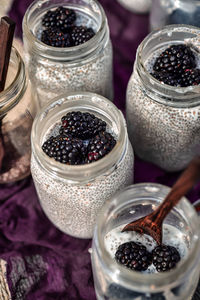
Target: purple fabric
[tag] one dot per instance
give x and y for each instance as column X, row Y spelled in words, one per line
column 44, row 263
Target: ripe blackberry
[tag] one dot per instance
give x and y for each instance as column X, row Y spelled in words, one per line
column 190, row 77
column 81, row 34
column 134, row 256
column 165, row 258
column 81, row 125
column 62, row 18
column 99, row 146
column 175, row 59
column 170, row 79
column 55, row 38
column 67, row 150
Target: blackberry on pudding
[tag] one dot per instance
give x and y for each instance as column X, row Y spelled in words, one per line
column 134, row 256
column 165, row 258
column 61, row 18
column 190, row 77
column 61, row 31
column 175, row 59
column 56, row 38
column 65, row 149
column 82, row 125
column 176, row 66
column 81, row 34
column 99, row 146
column 82, row 139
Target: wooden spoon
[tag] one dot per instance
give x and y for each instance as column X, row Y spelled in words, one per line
column 152, row 223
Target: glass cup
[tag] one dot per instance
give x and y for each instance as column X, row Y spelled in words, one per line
column 181, row 229
column 54, row 70
column 17, row 111
column 163, row 121
column 72, row 195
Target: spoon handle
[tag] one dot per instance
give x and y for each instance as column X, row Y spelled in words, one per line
column 185, row 182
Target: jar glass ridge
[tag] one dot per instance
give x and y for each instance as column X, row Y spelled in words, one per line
column 113, row 281
column 87, row 67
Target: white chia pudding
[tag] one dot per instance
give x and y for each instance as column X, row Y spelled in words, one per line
column 72, row 201
column 83, row 67
column 163, row 120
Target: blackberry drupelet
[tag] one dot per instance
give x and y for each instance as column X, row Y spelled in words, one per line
column 67, row 150
column 81, row 34
column 55, row 38
column 62, row 18
column 81, row 125
column 134, row 256
column 175, row 59
column 99, row 146
column 165, row 258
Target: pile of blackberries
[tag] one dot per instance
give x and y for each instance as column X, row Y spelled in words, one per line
column 60, row 29
column 82, row 139
column 176, row 66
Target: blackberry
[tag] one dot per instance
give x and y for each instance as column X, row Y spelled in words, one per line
column 170, row 79
column 99, row 146
column 67, row 150
column 165, row 258
column 134, row 256
column 62, row 18
column 55, row 38
column 175, row 59
column 81, row 125
column 81, row 34
column 190, row 77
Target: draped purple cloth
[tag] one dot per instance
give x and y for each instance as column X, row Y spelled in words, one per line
column 44, row 263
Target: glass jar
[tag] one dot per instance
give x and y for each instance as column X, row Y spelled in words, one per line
column 71, row 195
column 163, row 121
column 87, row 67
column 166, row 12
column 181, row 227
column 16, row 117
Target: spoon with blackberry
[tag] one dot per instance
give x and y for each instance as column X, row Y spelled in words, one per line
column 152, row 223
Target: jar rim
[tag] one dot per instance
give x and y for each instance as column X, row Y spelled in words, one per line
column 126, row 276
column 83, row 101
column 10, row 96
column 66, row 53
column 166, row 94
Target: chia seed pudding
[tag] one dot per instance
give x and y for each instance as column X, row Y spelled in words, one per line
column 72, row 195
column 115, row 278
column 85, row 67
column 164, row 120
